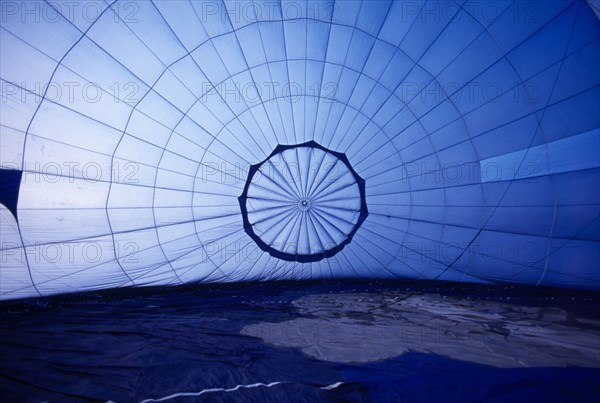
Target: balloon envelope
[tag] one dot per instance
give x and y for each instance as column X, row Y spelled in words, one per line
column 466, row 140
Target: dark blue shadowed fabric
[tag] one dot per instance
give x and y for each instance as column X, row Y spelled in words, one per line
column 10, row 181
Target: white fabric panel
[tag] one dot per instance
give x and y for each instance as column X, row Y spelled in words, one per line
column 15, row 279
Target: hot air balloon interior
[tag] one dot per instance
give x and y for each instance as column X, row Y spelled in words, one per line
column 300, row 200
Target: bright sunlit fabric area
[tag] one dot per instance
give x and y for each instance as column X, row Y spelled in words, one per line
column 168, row 142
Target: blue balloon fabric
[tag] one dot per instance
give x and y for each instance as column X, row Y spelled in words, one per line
column 167, row 142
